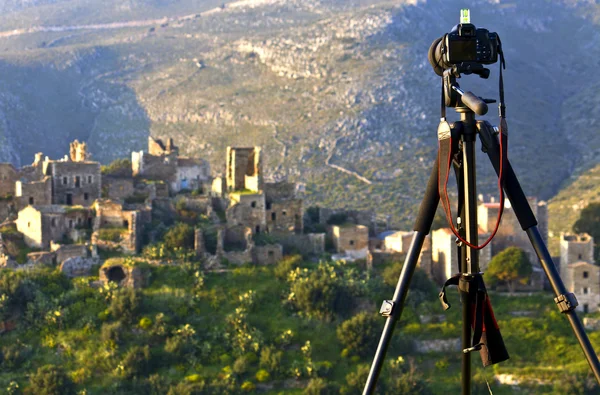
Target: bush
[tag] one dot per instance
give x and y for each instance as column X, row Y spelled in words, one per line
column 286, row 265
column 355, row 381
column 112, row 332
column 145, row 323
column 321, row 293
column 319, row 386
column 124, row 304
column 118, row 167
column 262, row 376
column 50, row 380
column 180, row 235
column 270, row 360
column 111, row 234
column 248, row 386
column 136, row 362
column 359, row 334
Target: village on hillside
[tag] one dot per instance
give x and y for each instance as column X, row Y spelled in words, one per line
column 74, row 213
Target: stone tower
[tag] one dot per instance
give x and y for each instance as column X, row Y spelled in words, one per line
column 576, row 248
column 244, row 169
column 78, row 152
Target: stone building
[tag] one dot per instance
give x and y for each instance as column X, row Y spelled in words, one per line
column 510, row 233
column 247, row 209
column 244, row 169
column 162, row 162
column 74, row 183
column 578, row 271
column 351, row 240
column 284, row 212
column 576, row 248
column 40, row 225
column 37, row 192
column 8, row 176
column 117, row 187
column 73, row 180
column 393, row 246
column 444, row 254
column 112, row 215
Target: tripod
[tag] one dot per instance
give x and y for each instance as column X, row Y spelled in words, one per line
column 469, row 280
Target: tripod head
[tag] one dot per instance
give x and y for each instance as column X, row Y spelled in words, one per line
column 456, row 97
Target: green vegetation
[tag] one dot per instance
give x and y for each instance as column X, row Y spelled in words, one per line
column 509, row 267
column 117, row 168
column 565, row 208
column 259, row 329
column 111, row 234
column 589, row 222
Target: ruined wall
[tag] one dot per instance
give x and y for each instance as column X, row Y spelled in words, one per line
column 109, row 214
column 277, row 191
column 444, row 255
column 66, row 251
column 247, row 210
column 237, row 238
column 576, row 248
column 191, row 174
column 306, row 244
column 8, row 208
column 285, row 216
column 34, row 192
column 42, row 258
column 29, row 223
column 117, row 188
column 161, row 147
column 8, row 177
column 358, row 217
column 398, row 242
column 350, row 238
column 78, row 152
column 583, row 279
column 151, row 167
column 267, row 255
column 75, row 183
column 133, row 276
column 244, row 169
column 510, row 233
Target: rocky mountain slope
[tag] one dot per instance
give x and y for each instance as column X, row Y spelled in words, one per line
column 339, row 93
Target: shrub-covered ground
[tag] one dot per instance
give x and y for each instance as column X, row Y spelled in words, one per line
column 300, row 327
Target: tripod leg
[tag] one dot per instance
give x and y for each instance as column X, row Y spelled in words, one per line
column 566, row 301
column 393, row 309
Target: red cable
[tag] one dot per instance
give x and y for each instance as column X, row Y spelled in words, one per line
column 500, row 210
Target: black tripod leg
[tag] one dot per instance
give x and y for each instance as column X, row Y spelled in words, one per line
column 393, row 309
column 566, row 301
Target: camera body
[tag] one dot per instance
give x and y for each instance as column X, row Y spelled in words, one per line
column 466, row 43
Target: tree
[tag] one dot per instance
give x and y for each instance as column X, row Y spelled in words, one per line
column 359, row 334
column 589, row 222
column 50, row 380
column 179, row 236
column 510, row 266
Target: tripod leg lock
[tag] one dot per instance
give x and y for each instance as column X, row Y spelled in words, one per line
column 387, row 307
column 566, row 302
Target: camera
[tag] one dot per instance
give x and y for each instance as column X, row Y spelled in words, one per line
column 464, row 44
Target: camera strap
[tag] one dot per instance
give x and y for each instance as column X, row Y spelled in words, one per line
column 447, row 149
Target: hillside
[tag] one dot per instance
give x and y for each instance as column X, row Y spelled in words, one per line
column 577, row 193
column 240, row 330
column 339, row 94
